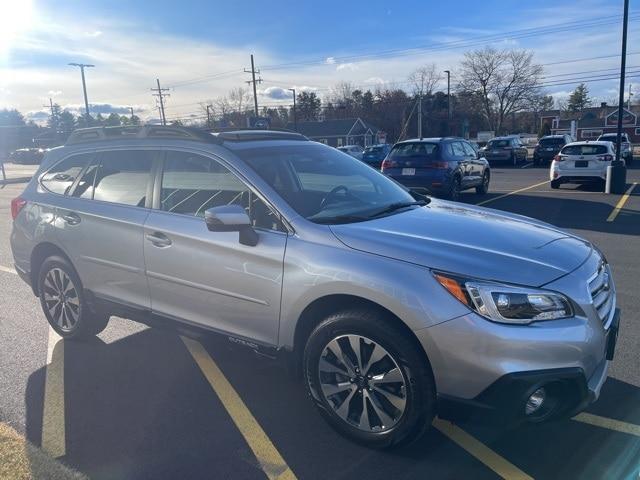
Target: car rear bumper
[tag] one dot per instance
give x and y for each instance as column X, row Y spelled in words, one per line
column 436, row 181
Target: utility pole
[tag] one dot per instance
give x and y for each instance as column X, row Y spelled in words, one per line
column 84, row 86
column 448, row 72
column 53, row 115
column 295, row 114
column 623, row 66
column 629, row 99
column 208, row 116
column 160, row 94
column 420, row 115
column 253, row 80
column 131, row 110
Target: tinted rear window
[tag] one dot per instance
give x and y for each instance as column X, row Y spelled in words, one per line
column 499, row 143
column 584, row 150
column 551, row 142
column 612, row 138
column 415, row 150
column 374, row 150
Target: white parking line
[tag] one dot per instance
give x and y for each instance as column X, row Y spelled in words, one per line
column 527, row 165
column 7, row 270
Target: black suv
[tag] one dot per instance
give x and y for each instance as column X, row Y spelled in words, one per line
column 548, row 147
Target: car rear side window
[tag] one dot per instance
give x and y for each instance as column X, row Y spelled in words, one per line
column 584, row 150
column 60, row 178
column 122, row 177
column 417, row 150
column 192, row 184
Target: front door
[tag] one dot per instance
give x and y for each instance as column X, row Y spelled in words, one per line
column 209, row 278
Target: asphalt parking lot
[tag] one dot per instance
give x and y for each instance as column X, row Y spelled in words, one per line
column 151, row 403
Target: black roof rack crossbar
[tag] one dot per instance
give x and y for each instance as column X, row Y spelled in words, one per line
column 92, row 134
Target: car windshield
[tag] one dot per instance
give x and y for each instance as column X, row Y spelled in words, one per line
column 499, row 143
column 584, row 150
column 324, row 186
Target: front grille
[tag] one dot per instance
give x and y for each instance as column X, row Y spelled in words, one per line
column 601, row 292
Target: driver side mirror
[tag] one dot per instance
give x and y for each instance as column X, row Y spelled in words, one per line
column 231, row 218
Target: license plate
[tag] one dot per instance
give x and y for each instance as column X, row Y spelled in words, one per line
column 582, row 163
column 408, row 171
column 549, row 149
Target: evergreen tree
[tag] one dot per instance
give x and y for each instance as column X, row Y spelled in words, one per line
column 579, row 99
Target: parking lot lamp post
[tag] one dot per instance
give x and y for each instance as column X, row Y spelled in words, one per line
column 84, row 86
column 448, row 72
column 295, row 115
column 623, row 65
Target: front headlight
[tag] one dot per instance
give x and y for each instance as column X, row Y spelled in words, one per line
column 506, row 303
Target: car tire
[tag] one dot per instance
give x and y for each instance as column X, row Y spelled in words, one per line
column 454, row 190
column 514, row 158
column 555, row 184
column 400, row 404
column 64, row 303
column 483, row 188
column 536, row 162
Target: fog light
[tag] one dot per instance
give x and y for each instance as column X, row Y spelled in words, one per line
column 535, row 401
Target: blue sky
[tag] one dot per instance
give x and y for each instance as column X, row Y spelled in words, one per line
column 187, row 44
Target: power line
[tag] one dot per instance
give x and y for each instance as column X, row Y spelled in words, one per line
column 160, row 94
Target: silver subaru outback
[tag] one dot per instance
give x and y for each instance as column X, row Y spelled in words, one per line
column 395, row 307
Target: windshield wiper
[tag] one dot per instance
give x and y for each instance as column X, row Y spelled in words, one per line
column 398, row 206
column 339, row 219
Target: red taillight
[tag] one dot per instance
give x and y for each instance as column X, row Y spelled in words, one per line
column 605, row 158
column 439, row 165
column 17, row 204
column 388, row 164
column 558, row 158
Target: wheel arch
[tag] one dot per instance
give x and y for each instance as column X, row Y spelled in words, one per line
column 326, row 305
column 40, row 253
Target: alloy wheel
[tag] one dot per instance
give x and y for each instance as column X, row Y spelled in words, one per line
column 61, row 299
column 362, row 383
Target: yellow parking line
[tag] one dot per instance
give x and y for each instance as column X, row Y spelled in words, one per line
column 479, row 450
column 609, row 423
column 53, row 429
column 266, row 453
column 511, row 193
column 621, row 203
column 7, row 269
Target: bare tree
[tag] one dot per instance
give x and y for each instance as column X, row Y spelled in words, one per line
column 424, row 79
column 239, row 97
column 505, row 79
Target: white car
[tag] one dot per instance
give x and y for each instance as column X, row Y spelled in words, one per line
column 355, row 151
column 580, row 162
column 626, row 152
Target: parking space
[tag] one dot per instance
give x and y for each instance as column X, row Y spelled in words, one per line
column 143, row 402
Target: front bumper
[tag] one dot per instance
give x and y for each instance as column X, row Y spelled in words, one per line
column 569, row 391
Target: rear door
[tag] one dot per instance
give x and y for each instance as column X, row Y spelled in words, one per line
column 461, row 156
column 100, row 224
column 476, row 166
column 209, row 278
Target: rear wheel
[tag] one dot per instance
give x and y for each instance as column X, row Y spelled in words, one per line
column 555, row 184
column 514, row 158
column 483, row 188
column 63, row 301
column 368, row 379
column 454, row 189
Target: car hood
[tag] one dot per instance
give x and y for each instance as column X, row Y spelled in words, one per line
column 471, row 241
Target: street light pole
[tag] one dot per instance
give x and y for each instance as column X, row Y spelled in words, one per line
column 295, row 114
column 448, row 72
column 623, row 66
column 208, row 116
column 84, row 86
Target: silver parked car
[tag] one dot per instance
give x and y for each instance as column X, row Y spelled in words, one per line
column 356, row 151
column 395, row 307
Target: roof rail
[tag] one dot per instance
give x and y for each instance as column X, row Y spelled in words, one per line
column 93, row 134
column 248, row 135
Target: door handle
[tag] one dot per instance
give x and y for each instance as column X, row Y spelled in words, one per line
column 71, row 218
column 158, row 239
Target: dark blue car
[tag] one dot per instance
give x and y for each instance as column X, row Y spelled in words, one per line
column 375, row 154
column 443, row 166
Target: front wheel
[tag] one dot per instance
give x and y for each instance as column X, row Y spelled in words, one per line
column 63, row 301
column 555, row 184
column 368, row 379
column 483, row 188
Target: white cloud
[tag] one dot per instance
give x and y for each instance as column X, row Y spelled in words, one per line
column 347, row 66
column 330, row 60
column 54, row 93
column 374, row 80
column 277, row 93
column 95, row 33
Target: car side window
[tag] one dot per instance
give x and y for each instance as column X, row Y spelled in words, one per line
column 122, row 177
column 458, row 149
column 469, row 151
column 192, row 183
column 60, row 178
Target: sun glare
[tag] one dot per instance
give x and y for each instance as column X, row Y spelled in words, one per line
column 16, row 16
